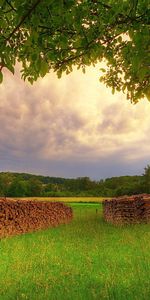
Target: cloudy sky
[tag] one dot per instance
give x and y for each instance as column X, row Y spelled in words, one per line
column 71, row 127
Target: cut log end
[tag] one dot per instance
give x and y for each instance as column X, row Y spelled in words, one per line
column 19, row 216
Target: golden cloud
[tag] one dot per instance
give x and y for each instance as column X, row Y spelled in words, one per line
column 73, row 117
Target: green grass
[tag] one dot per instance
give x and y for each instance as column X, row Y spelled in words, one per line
column 66, row 199
column 87, row 259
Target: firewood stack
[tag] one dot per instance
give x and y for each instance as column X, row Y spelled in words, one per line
column 127, row 210
column 18, row 217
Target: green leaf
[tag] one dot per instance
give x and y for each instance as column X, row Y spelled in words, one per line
column 119, row 39
column 103, row 70
column 59, row 73
column 101, row 79
column 1, row 77
column 113, row 90
column 10, row 68
column 44, row 68
column 147, row 93
column 142, row 74
column 31, row 80
column 83, row 70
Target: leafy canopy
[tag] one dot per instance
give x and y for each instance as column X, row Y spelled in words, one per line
column 58, row 34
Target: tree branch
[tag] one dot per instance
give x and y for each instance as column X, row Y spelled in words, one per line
column 103, row 4
column 63, row 30
column 23, row 19
column 11, row 5
column 133, row 8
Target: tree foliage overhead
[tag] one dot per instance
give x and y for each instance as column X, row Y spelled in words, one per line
column 58, row 34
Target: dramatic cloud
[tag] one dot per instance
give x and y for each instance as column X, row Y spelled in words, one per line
column 71, row 127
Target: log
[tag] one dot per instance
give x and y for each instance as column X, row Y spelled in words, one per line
column 127, row 210
column 19, row 216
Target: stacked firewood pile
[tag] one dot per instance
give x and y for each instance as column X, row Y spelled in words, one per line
column 18, row 217
column 127, row 210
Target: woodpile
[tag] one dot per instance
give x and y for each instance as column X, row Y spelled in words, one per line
column 18, row 217
column 127, row 210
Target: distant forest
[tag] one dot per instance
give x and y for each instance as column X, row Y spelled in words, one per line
column 28, row 185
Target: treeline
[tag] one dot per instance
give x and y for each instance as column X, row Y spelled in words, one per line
column 28, row 185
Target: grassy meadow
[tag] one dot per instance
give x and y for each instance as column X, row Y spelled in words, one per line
column 87, row 259
column 66, row 199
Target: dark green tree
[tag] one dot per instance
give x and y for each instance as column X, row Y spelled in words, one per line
column 147, row 179
column 18, row 188
column 48, row 34
column 5, row 182
column 35, row 187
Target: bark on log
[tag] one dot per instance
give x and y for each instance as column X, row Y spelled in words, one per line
column 19, row 216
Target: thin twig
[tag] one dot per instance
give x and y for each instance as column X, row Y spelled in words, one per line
column 23, row 19
column 11, row 5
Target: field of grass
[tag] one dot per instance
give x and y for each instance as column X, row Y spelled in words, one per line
column 87, row 259
column 67, row 199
